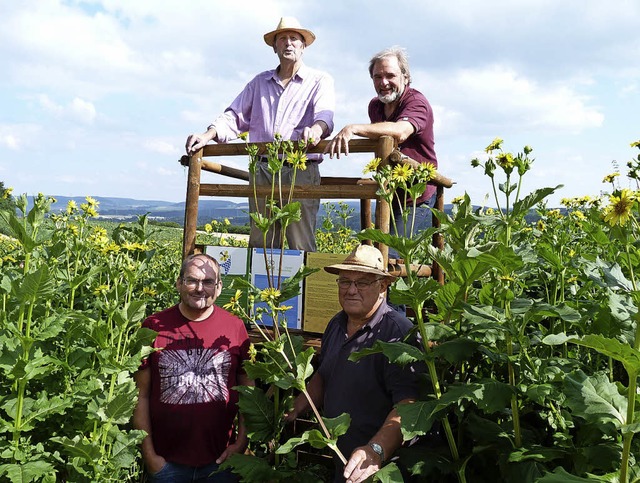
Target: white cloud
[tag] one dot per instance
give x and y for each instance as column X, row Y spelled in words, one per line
column 9, row 141
column 83, row 110
column 161, row 146
column 78, row 110
column 499, row 95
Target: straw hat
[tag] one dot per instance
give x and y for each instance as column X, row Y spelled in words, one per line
column 289, row 24
column 363, row 258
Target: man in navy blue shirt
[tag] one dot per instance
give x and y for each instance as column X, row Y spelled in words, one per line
column 369, row 389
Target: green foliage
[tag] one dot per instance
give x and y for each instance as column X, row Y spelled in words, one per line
column 335, row 235
column 72, row 298
column 533, row 351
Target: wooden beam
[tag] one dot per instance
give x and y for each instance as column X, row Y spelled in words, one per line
column 344, row 192
column 239, row 149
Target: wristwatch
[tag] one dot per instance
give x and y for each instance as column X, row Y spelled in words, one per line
column 377, row 449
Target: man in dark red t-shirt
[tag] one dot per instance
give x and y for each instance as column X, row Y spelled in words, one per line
column 403, row 113
column 186, row 403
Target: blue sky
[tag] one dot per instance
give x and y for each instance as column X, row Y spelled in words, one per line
column 97, row 97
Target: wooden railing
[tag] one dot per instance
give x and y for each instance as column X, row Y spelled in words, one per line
column 329, row 188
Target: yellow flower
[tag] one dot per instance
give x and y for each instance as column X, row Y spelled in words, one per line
column 457, row 200
column 101, row 290
column 149, row 291
column 72, row 207
column 554, row 214
column 244, row 135
column 505, row 161
column 610, row 177
column 619, row 210
column 298, row 160
column 7, row 193
column 540, row 225
column 208, row 228
column 372, row 166
column 270, row 295
column 426, row 171
column 579, row 215
column 495, row 144
column 401, row 172
column 227, row 222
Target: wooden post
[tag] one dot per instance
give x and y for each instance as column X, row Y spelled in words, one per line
column 438, row 240
column 191, row 205
column 385, row 147
column 365, row 214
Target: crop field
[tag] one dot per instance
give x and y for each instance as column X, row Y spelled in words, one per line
column 531, row 348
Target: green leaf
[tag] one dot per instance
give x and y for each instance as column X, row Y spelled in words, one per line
column 26, row 472
column 522, row 207
column 422, row 289
column 257, row 410
column 417, row 418
column 536, row 454
column 613, row 348
column 120, row 409
column 44, row 407
column 251, row 468
column 304, row 368
column 397, row 352
column 595, row 399
column 561, row 476
column 38, row 284
column 389, row 474
column 17, row 231
column 313, row 437
column 79, row 447
column 337, row 426
column 456, row 350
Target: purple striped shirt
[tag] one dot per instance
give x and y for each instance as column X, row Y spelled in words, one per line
column 265, row 107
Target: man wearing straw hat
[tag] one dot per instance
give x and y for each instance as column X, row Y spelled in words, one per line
column 292, row 100
column 367, row 389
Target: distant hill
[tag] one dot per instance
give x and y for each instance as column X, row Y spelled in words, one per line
column 126, row 209
column 121, row 209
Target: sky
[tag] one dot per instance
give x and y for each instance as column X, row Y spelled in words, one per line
column 97, row 97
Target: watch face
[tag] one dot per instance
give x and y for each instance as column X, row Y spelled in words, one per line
column 377, row 449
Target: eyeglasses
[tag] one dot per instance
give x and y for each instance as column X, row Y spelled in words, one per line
column 344, row 283
column 207, row 283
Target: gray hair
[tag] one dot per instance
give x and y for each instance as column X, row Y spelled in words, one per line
column 399, row 53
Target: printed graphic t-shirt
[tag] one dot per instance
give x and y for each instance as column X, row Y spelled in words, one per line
column 192, row 405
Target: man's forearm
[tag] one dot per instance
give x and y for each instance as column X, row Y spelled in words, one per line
column 389, row 436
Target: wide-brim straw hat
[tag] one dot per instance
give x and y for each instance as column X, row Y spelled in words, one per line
column 289, row 24
column 363, row 258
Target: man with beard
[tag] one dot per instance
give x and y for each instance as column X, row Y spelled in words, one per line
column 403, row 113
column 292, row 101
column 186, row 403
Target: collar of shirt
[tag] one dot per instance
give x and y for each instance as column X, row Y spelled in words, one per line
column 375, row 319
column 299, row 76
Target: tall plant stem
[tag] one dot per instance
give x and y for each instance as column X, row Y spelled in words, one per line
column 435, row 382
column 514, row 399
column 322, row 425
column 628, row 436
